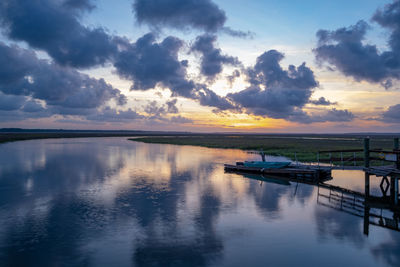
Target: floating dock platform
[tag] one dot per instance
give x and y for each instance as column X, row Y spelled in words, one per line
column 308, row 173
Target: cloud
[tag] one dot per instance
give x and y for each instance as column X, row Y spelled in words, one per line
column 274, row 92
column 237, row 33
column 171, row 106
column 154, row 110
column 212, row 59
column 79, row 4
column 209, row 98
column 345, row 49
column 180, row 120
column 203, row 15
column 282, row 94
column 54, row 27
column 231, row 78
column 11, row 102
column 180, row 14
column 33, row 106
column 156, row 113
column 322, row 101
column 23, row 74
column 149, row 64
column 332, row 115
column 392, row 115
column 388, row 17
column 17, row 107
column 112, row 115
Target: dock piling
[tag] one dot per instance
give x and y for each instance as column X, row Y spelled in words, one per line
column 263, row 156
column 367, row 184
column 396, row 191
column 366, row 152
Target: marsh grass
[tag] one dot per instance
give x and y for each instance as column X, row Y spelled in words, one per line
column 304, row 147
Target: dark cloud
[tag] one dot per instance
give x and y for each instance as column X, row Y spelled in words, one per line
column 157, row 113
column 171, row 106
column 274, row 92
column 202, row 15
column 33, row 106
column 53, row 26
column 180, row 120
column 346, row 50
column 11, row 102
column 209, row 98
column 149, row 64
column 237, row 33
column 154, row 110
column 181, row 14
column 17, row 107
column 392, row 115
column 231, row 78
column 389, row 17
column 23, row 74
column 282, row 94
column 322, row 101
column 79, row 4
column 212, row 59
column 112, row 115
column 332, row 115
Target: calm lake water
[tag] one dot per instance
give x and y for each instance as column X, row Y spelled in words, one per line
column 114, row 202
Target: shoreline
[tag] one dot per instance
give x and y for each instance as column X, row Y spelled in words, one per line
column 301, row 147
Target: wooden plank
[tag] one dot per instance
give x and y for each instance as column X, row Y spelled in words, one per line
column 339, row 151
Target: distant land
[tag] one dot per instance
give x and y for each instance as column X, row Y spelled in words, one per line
column 140, row 132
column 296, row 146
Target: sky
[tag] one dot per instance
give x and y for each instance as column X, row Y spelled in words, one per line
column 271, row 66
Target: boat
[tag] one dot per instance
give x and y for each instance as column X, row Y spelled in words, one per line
column 266, row 164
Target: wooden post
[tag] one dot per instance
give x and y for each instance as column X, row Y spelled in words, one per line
column 396, row 191
column 396, row 147
column 341, row 159
column 392, row 189
column 263, row 156
column 367, row 184
column 366, row 152
column 366, row 219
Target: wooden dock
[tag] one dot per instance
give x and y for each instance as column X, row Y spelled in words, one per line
column 298, row 172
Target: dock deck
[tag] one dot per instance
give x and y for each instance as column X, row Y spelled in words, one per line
column 302, row 172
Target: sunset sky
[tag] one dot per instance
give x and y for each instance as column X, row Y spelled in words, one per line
column 201, row 65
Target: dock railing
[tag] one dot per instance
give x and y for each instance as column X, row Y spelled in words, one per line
column 352, row 157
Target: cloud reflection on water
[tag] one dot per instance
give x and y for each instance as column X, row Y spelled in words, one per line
column 107, row 201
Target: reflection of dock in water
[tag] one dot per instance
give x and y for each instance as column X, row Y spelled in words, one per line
column 378, row 211
column 372, row 208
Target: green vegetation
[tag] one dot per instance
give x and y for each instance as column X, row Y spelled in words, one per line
column 305, row 147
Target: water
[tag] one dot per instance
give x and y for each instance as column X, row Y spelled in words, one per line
column 113, row 202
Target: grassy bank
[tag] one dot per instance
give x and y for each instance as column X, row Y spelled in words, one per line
column 305, row 147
